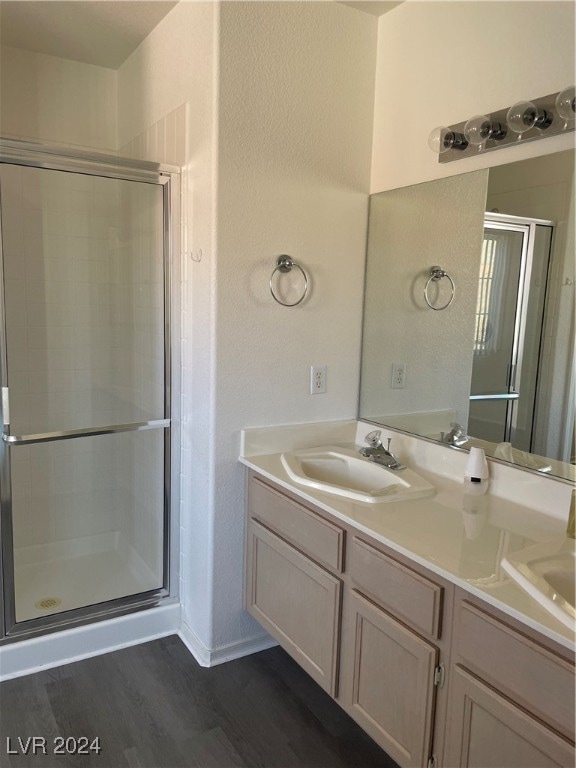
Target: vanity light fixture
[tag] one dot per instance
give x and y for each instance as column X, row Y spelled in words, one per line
column 525, row 115
column 524, row 121
column 480, row 128
column 566, row 103
column 442, row 139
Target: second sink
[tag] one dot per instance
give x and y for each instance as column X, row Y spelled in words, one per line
column 343, row 472
column 546, row 571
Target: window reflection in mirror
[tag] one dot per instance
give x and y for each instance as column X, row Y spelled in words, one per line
column 499, row 361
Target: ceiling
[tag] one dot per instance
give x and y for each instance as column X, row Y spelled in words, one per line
column 101, row 32
column 104, row 32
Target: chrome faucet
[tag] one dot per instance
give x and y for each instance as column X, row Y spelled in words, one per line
column 457, row 435
column 376, row 451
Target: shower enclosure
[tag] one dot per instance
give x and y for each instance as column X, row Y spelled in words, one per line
column 509, row 329
column 85, row 366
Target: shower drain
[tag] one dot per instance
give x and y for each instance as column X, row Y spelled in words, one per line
column 48, row 602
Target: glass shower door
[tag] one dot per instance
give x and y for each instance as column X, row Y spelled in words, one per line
column 495, row 340
column 509, row 330
column 85, row 405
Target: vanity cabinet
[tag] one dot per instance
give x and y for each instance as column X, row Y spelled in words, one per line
column 388, row 681
column 289, row 589
column 511, row 698
column 390, row 664
column 435, row 675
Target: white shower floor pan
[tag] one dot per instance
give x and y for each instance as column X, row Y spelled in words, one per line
column 53, row 578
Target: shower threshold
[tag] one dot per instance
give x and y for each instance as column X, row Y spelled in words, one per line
column 56, row 577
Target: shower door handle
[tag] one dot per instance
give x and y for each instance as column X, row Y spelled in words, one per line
column 497, row 396
column 69, row 434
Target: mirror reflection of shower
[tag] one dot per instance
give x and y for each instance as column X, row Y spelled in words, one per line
column 509, row 339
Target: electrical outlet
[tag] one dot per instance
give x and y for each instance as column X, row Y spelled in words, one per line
column 317, row 379
column 398, row 375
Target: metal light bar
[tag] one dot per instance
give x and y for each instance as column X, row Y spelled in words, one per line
column 552, row 123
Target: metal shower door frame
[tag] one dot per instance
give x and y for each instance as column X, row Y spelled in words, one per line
column 45, row 157
column 526, row 227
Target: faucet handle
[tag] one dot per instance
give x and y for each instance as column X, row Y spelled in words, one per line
column 388, row 444
column 373, row 438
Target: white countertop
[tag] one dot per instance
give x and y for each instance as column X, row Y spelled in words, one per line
column 461, row 538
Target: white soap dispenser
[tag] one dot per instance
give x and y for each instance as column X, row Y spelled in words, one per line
column 476, row 473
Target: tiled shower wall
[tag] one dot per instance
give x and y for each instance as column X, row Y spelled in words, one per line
column 163, row 142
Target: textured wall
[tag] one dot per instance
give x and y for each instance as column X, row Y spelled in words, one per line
column 442, row 62
column 295, row 123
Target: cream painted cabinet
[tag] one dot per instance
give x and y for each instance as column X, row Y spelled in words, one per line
column 388, row 681
column 435, row 675
column 297, row 602
column 488, row 731
column 289, row 588
column 391, row 652
column 511, row 698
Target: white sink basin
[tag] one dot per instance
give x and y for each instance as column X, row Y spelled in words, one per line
column 344, row 472
column 546, row 572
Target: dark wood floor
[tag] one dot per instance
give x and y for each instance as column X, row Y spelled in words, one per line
column 152, row 706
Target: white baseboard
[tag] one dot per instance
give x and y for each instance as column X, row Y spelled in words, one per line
column 52, row 650
column 210, row 658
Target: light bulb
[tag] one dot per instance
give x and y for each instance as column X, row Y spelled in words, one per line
column 442, row 139
column 566, row 103
column 525, row 115
column 480, row 128
column 477, row 130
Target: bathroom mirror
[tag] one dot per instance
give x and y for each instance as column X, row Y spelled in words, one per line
column 479, row 351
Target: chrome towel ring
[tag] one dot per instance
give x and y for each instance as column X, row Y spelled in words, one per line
column 284, row 264
column 437, row 274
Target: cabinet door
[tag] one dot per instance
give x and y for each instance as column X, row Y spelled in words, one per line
column 487, row 731
column 388, row 681
column 297, row 602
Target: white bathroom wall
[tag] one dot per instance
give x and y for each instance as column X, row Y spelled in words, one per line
column 56, row 100
column 167, row 111
column 295, row 123
column 442, row 62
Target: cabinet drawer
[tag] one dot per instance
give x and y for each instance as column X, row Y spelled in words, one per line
column 409, row 596
column 297, row 602
column 309, row 532
column 530, row 675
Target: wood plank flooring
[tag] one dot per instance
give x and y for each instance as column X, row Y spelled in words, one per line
column 153, row 706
